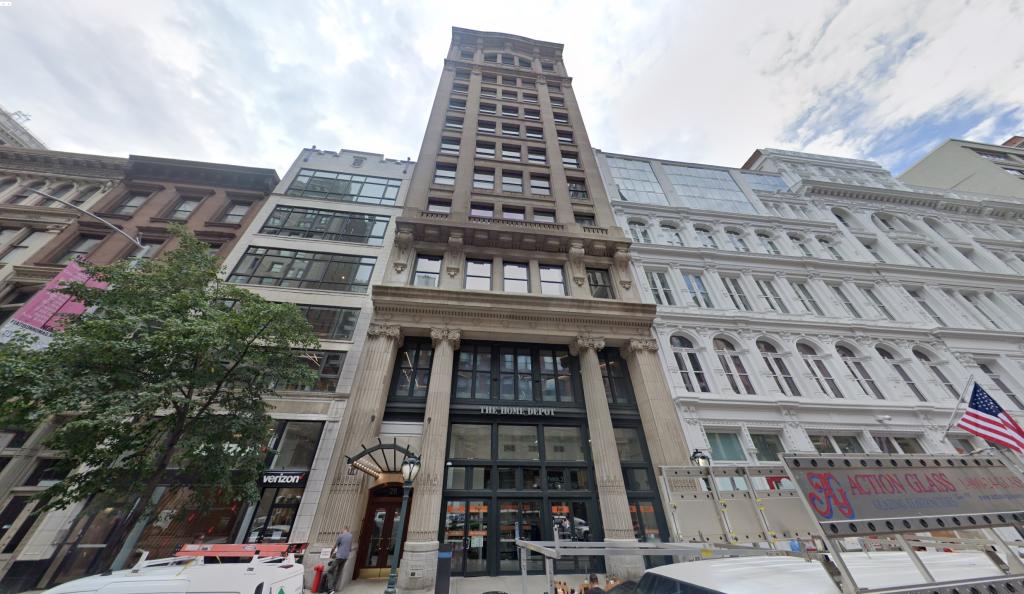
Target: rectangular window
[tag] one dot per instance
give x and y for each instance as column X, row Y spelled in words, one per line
column 302, row 269
column 349, row 187
column 453, row 123
column 315, row 223
column 989, row 370
column 450, row 146
column 708, row 189
column 483, row 179
column 617, row 387
column 543, row 216
column 444, row 174
column 552, row 279
column 489, row 79
column 510, row 111
column 479, row 209
column 488, row 109
column 735, row 290
column 577, row 189
column 699, row 295
column 768, row 446
column 511, row 152
column 726, row 447
column 770, row 296
column 509, row 94
column 565, row 136
column 660, row 288
column 844, row 299
column 516, row 277
column 600, row 282
column 457, row 104
column 485, row 150
column 235, row 212
column 327, row 365
column 560, row 117
column 510, row 129
column 557, row 101
column 412, row 372
column 462, row 74
column 879, row 304
column 512, row 181
column 47, row 473
column 331, row 323
column 490, row 92
column 534, row 133
column 923, row 303
column 531, row 114
column 540, row 185
column 529, row 98
column 478, row 275
column 427, row 272
column 571, row 160
column 493, row 58
column 585, row 220
column 470, row 442
column 439, row 205
column 149, row 248
column 485, row 127
column 537, row 155
column 460, row 88
column 131, row 203
column 513, row 213
column 81, row 248
column 803, row 292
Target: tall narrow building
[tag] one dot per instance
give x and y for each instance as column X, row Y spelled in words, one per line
column 509, row 347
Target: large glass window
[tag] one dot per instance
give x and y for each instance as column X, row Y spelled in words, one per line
column 478, row 275
column 307, row 270
column 516, row 277
column 688, row 362
column 552, row 279
column 326, row 365
column 636, row 181
column 295, row 221
column 616, row 377
column 412, row 370
column 332, row 323
column 345, row 187
column 708, row 189
column 294, row 445
column 563, row 443
column 518, row 442
column 470, row 442
column 765, row 182
column 726, row 447
column 520, row 373
column 768, row 446
column 600, row 282
column 427, row 272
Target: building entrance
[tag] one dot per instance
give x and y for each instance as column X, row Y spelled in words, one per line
column 376, row 544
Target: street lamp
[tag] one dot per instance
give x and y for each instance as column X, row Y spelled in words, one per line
column 700, row 458
column 410, row 468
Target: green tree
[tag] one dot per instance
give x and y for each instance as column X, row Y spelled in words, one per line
column 164, row 381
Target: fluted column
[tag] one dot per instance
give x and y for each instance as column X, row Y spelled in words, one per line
column 419, row 561
column 664, row 434
column 610, row 488
column 344, row 497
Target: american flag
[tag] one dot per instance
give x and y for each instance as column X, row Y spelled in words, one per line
column 986, row 419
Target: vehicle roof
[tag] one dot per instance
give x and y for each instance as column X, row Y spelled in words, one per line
column 189, row 577
column 749, row 575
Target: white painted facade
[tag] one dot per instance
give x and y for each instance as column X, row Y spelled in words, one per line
column 832, row 265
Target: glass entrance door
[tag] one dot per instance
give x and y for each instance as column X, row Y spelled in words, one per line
column 377, row 538
column 520, row 519
column 574, row 520
column 466, row 531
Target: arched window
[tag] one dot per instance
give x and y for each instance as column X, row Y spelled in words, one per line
column 935, row 367
column 672, row 235
column 82, row 195
column 24, row 195
column 819, row 371
column 859, row 372
column 737, row 241
column 689, row 364
column 706, row 238
column 841, row 216
column 57, row 192
column 768, row 243
column 733, row 366
column 801, row 245
column 900, row 371
column 639, row 232
column 830, row 248
column 776, row 365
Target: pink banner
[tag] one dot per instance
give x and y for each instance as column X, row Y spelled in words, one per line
column 42, row 314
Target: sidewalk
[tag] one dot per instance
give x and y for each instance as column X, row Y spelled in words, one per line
column 511, row 584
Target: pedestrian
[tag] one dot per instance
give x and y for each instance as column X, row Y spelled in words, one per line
column 594, row 585
column 339, row 555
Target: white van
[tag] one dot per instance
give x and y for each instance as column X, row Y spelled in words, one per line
column 795, row 575
column 190, row 575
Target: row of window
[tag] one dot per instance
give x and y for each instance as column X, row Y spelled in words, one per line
column 511, row 181
column 514, row 277
column 507, row 94
column 487, row 78
column 508, row 111
column 726, row 446
column 68, row 192
column 509, row 129
column 345, row 187
column 776, row 370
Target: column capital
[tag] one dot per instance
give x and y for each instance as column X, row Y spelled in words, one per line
column 586, row 343
column 638, row 345
column 393, row 331
column 453, row 335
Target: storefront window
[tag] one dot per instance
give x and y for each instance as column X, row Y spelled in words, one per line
column 470, row 442
column 514, row 374
column 563, row 443
column 274, row 516
column 628, row 441
column 177, row 522
column 296, row 445
column 517, row 443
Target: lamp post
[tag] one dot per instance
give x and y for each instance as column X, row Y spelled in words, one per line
column 410, row 468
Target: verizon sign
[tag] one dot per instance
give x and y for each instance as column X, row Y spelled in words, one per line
column 852, row 495
column 283, row 478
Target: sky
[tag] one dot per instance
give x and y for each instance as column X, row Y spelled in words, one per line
column 251, row 82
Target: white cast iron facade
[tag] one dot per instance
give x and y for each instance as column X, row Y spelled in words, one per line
column 817, row 303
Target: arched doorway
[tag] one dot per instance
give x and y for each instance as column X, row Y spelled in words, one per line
column 376, row 538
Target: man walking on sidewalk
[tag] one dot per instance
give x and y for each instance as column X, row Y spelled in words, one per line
column 342, row 549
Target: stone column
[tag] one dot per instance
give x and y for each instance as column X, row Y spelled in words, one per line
column 611, row 490
column 419, row 560
column 662, row 429
column 344, row 497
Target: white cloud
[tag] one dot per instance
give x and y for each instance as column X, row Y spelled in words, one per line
column 252, row 82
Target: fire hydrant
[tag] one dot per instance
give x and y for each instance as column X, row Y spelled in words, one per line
column 318, row 574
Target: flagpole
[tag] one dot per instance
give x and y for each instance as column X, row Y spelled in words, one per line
column 952, row 417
